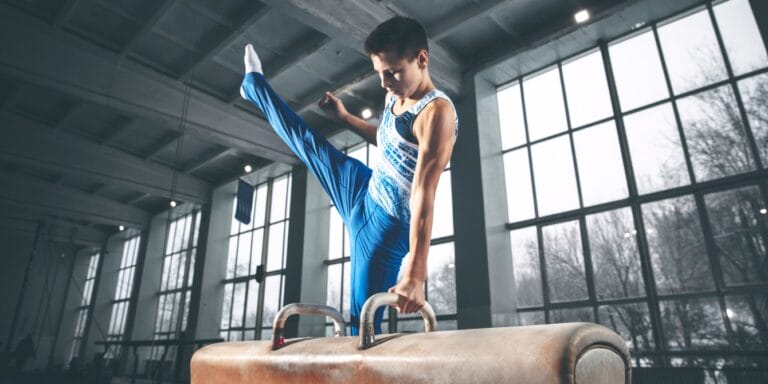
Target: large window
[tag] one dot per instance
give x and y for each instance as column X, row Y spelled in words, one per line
column 254, row 284
column 440, row 287
column 636, row 188
column 121, row 302
column 176, row 280
column 84, row 308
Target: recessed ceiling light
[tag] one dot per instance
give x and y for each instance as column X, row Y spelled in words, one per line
column 366, row 113
column 173, row 203
column 248, row 168
column 581, row 16
column 122, row 228
column 764, row 211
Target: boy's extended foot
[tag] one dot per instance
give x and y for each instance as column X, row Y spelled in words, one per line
column 252, row 63
column 251, row 59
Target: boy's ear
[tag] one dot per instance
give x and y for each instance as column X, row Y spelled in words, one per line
column 422, row 58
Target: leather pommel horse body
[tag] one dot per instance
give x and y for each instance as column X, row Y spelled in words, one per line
column 575, row 353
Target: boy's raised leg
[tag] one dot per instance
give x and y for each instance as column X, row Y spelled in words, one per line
column 342, row 177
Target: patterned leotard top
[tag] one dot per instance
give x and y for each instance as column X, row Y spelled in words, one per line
column 398, row 150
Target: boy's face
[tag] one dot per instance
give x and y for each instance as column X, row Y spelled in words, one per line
column 400, row 76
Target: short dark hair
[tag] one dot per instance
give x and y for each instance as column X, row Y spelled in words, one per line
column 401, row 36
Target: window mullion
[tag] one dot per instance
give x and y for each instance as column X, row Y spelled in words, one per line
column 528, row 147
column 263, row 258
column 714, row 265
column 731, row 79
column 678, row 121
column 570, row 135
column 543, row 268
column 192, row 219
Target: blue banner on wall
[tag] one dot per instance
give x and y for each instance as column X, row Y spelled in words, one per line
column 244, row 202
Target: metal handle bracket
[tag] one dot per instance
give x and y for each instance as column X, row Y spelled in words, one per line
column 367, row 336
column 278, row 326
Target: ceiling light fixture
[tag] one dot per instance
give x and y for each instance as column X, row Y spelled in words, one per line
column 173, row 203
column 366, row 113
column 122, row 228
column 581, row 16
column 248, row 168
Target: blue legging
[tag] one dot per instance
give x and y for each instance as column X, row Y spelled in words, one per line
column 379, row 241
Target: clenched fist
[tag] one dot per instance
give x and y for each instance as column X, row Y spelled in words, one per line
column 333, row 107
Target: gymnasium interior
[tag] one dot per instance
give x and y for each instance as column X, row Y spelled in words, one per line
column 611, row 167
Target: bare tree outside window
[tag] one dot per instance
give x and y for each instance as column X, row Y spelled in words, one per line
column 715, row 134
column 525, row 256
column 754, row 93
column 615, row 257
column 693, row 324
column 747, row 315
column 740, row 234
column 676, row 246
column 564, row 262
column 632, row 322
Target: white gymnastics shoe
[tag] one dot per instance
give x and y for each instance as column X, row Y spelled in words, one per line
column 251, row 59
column 252, row 64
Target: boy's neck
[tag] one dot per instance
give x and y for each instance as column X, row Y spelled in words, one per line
column 424, row 87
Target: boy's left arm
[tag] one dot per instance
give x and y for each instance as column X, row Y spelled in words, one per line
column 434, row 129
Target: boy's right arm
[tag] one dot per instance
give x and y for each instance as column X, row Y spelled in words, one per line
column 363, row 128
column 334, row 107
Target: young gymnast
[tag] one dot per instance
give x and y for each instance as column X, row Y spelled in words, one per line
column 387, row 209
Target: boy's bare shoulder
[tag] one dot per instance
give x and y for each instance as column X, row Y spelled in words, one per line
column 439, row 108
column 439, row 105
column 437, row 114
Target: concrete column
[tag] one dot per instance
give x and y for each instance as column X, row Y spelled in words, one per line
column 294, row 252
column 146, row 300
column 484, row 279
column 760, row 9
column 473, row 298
column 212, row 286
column 501, row 276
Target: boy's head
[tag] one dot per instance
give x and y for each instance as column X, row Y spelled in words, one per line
column 401, row 37
column 399, row 52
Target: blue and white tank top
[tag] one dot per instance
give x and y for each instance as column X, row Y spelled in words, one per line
column 398, row 150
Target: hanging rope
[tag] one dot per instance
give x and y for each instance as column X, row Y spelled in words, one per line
column 42, row 241
column 178, row 310
column 187, row 259
column 22, row 292
column 48, row 289
column 51, row 292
